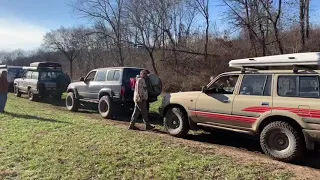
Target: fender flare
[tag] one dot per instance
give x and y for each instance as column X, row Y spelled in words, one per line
column 105, row 91
column 74, row 90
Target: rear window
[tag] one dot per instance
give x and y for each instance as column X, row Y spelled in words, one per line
column 132, row 73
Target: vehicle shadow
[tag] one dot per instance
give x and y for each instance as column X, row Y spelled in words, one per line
column 249, row 143
column 29, row 117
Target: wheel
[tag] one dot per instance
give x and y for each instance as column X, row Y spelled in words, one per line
column 282, row 142
column 72, row 103
column 176, row 123
column 17, row 91
column 106, row 107
column 31, row 95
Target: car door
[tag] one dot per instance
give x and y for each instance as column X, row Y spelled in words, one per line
column 23, row 82
column 298, row 94
column 83, row 87
column 97, row 84
column 214, row 105
column 253, row 100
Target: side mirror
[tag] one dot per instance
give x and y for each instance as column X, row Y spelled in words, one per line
column 81, row 78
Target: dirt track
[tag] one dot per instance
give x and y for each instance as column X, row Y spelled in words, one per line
column 242, row 148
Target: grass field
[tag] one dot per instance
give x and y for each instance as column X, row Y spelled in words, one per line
column 41, row 141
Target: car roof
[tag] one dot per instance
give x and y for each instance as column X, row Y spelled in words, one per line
column 273, row 72
column 118, row 68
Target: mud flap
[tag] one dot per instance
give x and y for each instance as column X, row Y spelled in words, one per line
column 308, row 140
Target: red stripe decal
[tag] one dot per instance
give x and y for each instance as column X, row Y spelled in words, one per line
column 225, row 117
column 301, row 112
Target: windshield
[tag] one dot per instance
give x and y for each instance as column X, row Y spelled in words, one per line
column 14, row 72
column 49, row 75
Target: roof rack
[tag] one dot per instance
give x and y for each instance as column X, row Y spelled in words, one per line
column 44, row 66
column 306, row 61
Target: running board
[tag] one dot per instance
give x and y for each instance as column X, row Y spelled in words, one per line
column 225, row 128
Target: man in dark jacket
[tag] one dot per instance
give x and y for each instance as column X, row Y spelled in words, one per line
column 3, row 90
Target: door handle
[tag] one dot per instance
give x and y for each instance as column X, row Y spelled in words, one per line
column 265, row 103
column 226, row 101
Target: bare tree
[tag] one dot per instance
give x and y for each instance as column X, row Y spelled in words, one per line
column 274, row 15
column 147, row 21
column 302, row 21
column 307, row 10
column 203, row 7
column 65, row 41
column 105, row 13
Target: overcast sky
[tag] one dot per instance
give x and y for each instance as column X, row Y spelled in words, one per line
column 24, row 22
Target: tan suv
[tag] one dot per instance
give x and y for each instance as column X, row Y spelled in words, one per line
column 282, row 107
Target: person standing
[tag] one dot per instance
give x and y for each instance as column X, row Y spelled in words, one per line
column 140, row 99
column 3, row 90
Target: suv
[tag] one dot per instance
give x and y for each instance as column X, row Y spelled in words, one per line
column 42, row 79
column 281, row 107
column 14, row 72
column 110, row 88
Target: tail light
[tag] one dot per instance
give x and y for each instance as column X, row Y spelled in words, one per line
column 122, row 91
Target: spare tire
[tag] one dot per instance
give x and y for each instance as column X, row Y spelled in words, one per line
column 154, row 85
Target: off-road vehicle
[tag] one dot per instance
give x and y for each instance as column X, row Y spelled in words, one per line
column 275, row 98
column 110, row 88
column 14, row 72
column 42, row 79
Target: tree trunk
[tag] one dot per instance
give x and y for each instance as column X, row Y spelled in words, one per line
column 307, row 19
column 153, row 62
column 302, row 22
column 71, row 71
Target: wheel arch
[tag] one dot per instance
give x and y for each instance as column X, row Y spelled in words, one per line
column 283, row 118
column 74, row 91
column 105, row 92
column 192, row 125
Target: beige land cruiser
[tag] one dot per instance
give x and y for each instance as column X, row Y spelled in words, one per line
column 281, row 107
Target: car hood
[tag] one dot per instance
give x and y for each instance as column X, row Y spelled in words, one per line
column 74, row 84
column 190, row 94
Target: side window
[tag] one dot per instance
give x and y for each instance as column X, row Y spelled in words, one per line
column 253, row 85
column 267, row 87
column 113, row 75
column 308, row 86
column 28, row 75
column 110, row 75
column 116, row 76
column 298, row 86
column 101, row 76
column 287, row 86
column 35, row 75
column 90, row 76
column 224, row 85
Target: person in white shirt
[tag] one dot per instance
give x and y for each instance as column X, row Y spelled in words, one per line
column 140, row 98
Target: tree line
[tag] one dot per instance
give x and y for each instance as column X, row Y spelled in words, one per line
column 175, row 39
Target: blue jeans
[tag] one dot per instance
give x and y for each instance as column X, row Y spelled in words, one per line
column 3, row 101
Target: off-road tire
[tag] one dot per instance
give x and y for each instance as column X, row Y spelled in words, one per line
column 106, row 107
column 72, row 103
column 295, row 147
column 31, row 95
column 17, row 91
column 183, row 126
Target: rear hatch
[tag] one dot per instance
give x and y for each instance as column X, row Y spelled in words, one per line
column 128, row 74
column 153, row 83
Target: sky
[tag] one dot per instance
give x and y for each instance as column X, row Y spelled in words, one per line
column 24, row 22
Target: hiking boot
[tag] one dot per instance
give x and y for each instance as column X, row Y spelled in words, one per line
column 133, row 127
column 150, row 127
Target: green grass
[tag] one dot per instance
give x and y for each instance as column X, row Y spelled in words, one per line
column 39, row 141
